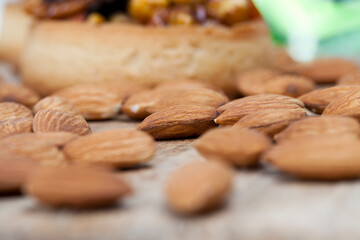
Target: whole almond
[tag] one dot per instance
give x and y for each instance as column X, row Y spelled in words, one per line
column 15, row 126
column 235, row 110
column 51, row 120
column 252, row 82
column 18, row 93
column 116, row 148
column 58, row 139
column 350, row 79
column 76, row 186
column 316, row 101
column 180, row 121
column 271, row 122
column 198, row 187
column 141, row 105
column 92, row 101
column 289, row 85
column 320, row 126
column 347, row 104
column 239, row 147
column 326, row 70
column 54, row 102
column 14, row 110
column 322, row 157
column 14, row 171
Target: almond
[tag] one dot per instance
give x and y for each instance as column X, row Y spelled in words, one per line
column 350, row 79
column 198, row 187
column 240, row 147
column 185, row 84
column 54, row 102
column 146, row 103
column 123, row 90
column 293, row 86
column 347, row 104
column 14, row 110
column 284, row 63
column 15, row 126
column 116, row 148
column 180, row 121
column 76, row 186
column 235, row 110
column 18, row 93
column 316, row 101
column 92, row 101
column 320, row 126
column 58, row 139
column 326, row 70
column 321, row 157
column 14, row 171
column 252, row 82
column 51, row 120
column 270, row 122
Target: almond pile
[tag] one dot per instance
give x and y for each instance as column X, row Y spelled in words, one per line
column 284, row 119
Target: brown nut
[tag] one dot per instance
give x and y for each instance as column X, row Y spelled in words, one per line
column 350, row 79
column 240, row 147
column 347, row 104
column 51, row 120
column 116, row 148
column 180, row 121
column 320, row 126
column 317, row 100
column 198, row 187
column 57, row 139
column 18, row 93
column 270, row 122
column 321, row 157
column 14, row 110
column 54, row 102
column 15, row 126
column 289, row 85
column 76, row 186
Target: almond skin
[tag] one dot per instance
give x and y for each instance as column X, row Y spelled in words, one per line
column 350, row 79
column 239, row 147
column 116, row 148
column 235, row 110
column 14, row 170
column 320, row 126
column 76, row 186
column 180, row 121
column 252, row 82
column 198, row 187
column 14, row 110
column 18, row 93
column 51, row 120
column 142, row 105
column 57, row 139
column 347, row 104
column 289, row 85
column 326, row 70
column 15, row 126
column 316, row 101
column 185, row 84
column 93, row 102
column 270, row 122
column 322, row 157
column 54, row 102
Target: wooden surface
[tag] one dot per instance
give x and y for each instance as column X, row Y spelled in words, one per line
column 263, row 205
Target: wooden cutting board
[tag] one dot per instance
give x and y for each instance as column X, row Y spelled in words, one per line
column 264, row 205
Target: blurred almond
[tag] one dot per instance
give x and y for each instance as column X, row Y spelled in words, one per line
column 15, row 126
column 347, row 104
column 18, row 93
column 240, row 147
column 185, row 84
column 350, row 79
column 235, row 110
column 54, row 102
column 293, row 86
column 198, row 187
column 320, row 126
column 316, row 101
column 321, row 157
column 76, row 186
column 326, row 70
column 116, row 148
column 93, row 101
column 14, row 110
column 271, row 122
column 58, row 139
column 51, row 120
column 180, row 121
